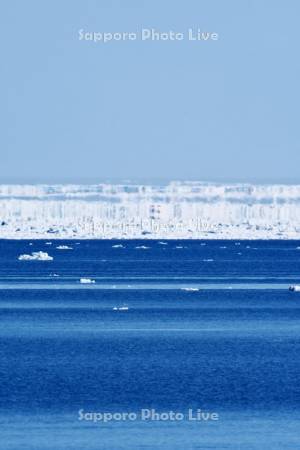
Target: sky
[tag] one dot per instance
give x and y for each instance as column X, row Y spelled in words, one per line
column 81, row 111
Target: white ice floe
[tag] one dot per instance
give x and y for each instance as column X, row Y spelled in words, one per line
column 48, row 243
column 64, row 247
column 117, row 246
column 208, row 260
column 120, row 308
column 87, row 281
column 36, row 256
column 190, row 289
column 294, row 288
column 142, row 247
column 162, row 243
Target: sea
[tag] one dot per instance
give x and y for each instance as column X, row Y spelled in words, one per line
column 147, row 344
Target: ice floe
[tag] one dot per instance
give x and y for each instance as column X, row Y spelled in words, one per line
column 190, row 289
column 294, row 288
column 36, row 256
column 87, row 281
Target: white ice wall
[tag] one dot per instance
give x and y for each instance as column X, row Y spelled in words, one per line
column 179, row 209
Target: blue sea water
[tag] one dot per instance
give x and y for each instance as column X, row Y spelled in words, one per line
column 232, row 347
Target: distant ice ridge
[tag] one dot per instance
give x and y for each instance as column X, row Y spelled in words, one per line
column 175, row 210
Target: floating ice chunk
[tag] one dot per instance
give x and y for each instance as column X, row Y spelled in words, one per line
column 294, row 288
column 203, row 243
column 179, row 246
column 208, row 260
column 48, row 243
column 142, row 247
column 87, row 281
column 190, row 289
column 36, row 256
column 117, row 246
column 120, row 308
column 64, row 247
column 162, row 243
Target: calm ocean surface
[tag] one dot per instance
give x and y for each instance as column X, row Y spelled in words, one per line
column 232, row 347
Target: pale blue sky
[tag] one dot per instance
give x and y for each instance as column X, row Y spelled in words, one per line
column 225, row 110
